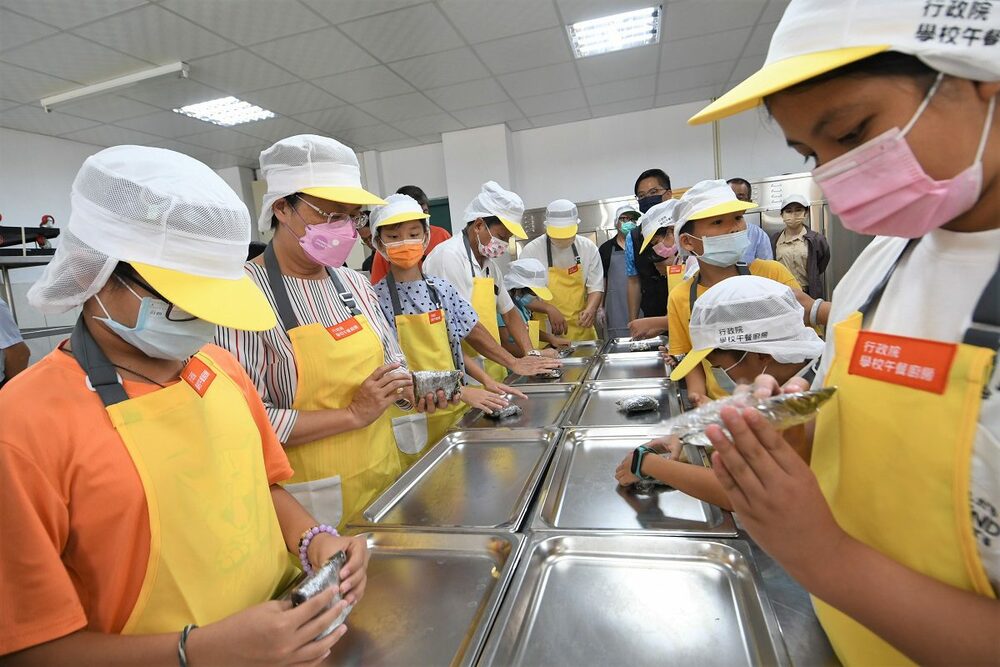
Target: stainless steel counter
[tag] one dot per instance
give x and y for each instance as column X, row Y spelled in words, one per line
column 595, row 404
column 544, row 407
column 629, row 366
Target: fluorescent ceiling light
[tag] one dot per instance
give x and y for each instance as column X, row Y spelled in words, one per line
column 616, row 32
column 226, row 111
column 179, row 69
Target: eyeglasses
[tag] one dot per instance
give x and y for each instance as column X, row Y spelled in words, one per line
column 652, row 192
column 174, row 314
column 359, row 220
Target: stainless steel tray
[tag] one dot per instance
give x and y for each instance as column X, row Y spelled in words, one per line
column 619, row 345
column 545, row 407
column 628, row 366
column 586, row 348
column 574, row 371
column 430, row 599
column 580, row 492
column 597, row 600
column 595, row 404
column 469, row 481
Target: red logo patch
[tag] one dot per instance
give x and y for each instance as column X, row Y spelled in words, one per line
column 198, row 375
column 910, row 362
column 435, row 316
column 345, row 328
column 573, row 269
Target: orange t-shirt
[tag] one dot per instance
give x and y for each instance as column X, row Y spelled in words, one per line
column 380, row 266
column 74, row 528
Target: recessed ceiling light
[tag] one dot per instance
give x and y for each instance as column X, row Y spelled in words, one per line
column 616, row 32
column 226, row 111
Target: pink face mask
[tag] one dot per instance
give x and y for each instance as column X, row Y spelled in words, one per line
column 664, row 251
column 880, row 188
column 328, row 243
column 495, row 248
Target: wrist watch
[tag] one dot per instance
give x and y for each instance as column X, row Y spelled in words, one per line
column 637, row 456
column 534, row 353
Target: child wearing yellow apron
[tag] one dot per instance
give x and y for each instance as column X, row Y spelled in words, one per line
column 527, row 280
column 894, row 529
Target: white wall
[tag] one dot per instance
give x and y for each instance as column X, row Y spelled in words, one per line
column 754, row 147
column 422, row 166
column 472, row 157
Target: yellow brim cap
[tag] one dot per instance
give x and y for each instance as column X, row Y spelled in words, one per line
column 236, row 304
column 690, row 360
column 515, row 228
column 345, row 195
column 722, row 209
column 562, row 232
column 778, row 76
column 645, row 243
column 543, row 293
column 400, row 217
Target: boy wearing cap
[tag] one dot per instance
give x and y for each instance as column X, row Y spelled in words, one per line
column 803, row 251
column 575, row 275
column 616, row 285
column 527, row 280
column 469, row 262
column 710, row 226
column 743, row 327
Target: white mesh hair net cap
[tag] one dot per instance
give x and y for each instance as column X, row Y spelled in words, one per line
column 146, row 205
column 753, row 314
column 526, row 272
column 493, row 200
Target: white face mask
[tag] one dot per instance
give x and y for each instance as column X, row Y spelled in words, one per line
column 156, row 336
column 725, row 250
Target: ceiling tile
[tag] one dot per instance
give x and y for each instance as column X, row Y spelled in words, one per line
column 404, row 33
column 110, row 135
column 24, row 85
column 223, row 160
column 397, row 145
column 341, row 118
column 367, row 136
column 238, row 71
column 221, row 139
column 702, row 50
column 774, row 11
column 364, row 84
column 513, row 54
column 618, row 91
column 540, row 81
column 16, row 30
column 483, row 20
column 252, row 153
column 692, row 77
column 197, row 152
column 246, row 21
column 31, row 118
column 488, row 115
column 441, row 69
column 560, row 118
column 391, row 109
column 69, row 13
column 552, row 102
column 315, row 54
column 746, row 67
column 292, row 98
column 108, row 108
column 274, row 129
column 167, row 124
column 430, row 139
column 338, row 11
column 171, row 93
column 518, row 124
column 760, row 40
column 625, row 106
column 8, row 104
column 701, row 17
column 468, row 94
column 417, row 127
column 616, row 66
column 583, row 10
column 685, row 96
column 154, row 34
column 71, row 57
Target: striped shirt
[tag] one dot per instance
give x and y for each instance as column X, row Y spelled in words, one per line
column 267, row 356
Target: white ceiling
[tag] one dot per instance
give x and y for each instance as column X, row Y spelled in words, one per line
column 376, row 74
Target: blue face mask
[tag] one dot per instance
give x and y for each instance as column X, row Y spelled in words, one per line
column 725, row 250
column 156, row 336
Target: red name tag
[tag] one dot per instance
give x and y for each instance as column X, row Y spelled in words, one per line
column 198, row 375
column 345, row 328
column 435, row 316
column 910, row 362
column 573, row 269
column 674, row 269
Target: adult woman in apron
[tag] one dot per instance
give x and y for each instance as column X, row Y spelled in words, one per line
column 150, row 505
column 895, row 533
column 332, row 369
column 612, row 252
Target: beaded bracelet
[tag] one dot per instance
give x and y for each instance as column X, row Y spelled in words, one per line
column 306, row 540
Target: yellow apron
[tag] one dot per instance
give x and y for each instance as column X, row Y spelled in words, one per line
column 215, row 544
column 569, row 296
column 712, row 388
column 338, row 476
column 892, row 455
column 675, row 276
column 484, row 302
column 424, row 339
column 535, row 333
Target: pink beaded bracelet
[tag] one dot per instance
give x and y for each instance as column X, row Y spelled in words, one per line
column 307, row 538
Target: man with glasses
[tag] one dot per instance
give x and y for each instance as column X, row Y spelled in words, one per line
column 647, row 287
column 760, row 243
